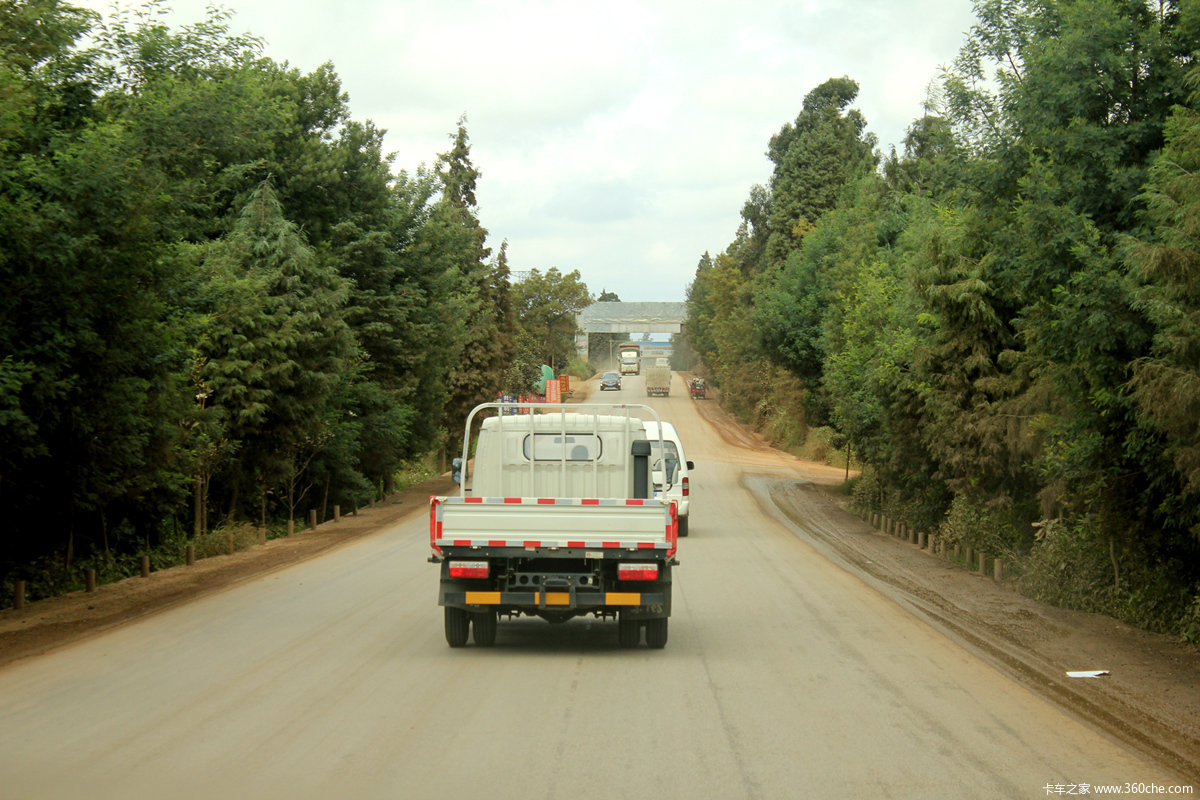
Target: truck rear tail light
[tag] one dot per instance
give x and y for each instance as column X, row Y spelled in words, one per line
column 685, row 487
column 637, row 572
column 468, row 569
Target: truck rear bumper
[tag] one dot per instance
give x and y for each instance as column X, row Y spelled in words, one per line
column 552, row 599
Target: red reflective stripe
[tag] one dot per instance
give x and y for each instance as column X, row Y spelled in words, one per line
column 533, row 544
column 545, row 501
column 645, row 545
column 497, row 543
column 635, row 502
column 590, row 502
column 576, row 544
column 610, row 544
column 473, row 499
column 673, row 529
column 435, row 527
column 462, row 542
column 512, row 500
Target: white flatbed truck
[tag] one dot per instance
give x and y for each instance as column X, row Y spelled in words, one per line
column 557, row 519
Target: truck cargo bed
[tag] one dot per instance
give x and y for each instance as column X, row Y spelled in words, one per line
column 552, row 524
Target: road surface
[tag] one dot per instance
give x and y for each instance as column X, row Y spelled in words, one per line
column 785, row 676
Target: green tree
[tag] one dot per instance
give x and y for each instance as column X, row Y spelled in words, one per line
column 94, row 354
column 278, row 350
column 816, row 158
column 1167, row 262
column 546, row 305
column 489, row 342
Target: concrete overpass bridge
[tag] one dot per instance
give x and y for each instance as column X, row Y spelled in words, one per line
column 628, row 318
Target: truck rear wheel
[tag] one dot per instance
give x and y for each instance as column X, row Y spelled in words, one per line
column 483, row 624
column 458, row 626
column 629, row 631
column 656, row 633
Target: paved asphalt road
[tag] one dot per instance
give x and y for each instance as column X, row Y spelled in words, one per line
column 785, row 677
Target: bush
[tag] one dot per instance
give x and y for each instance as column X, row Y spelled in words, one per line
column 419, row 470
column 991, row 530
column 865, row 491
column 578, row 368
column 216, row 542
column 1076, row 565
column 820, row 445
column 773, row 405
column 1189, row 623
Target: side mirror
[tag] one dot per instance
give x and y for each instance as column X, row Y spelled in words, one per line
column 456, row 466
column 691, row 465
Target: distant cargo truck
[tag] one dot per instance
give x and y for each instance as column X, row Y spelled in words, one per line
column 630, row 358
column 658, row 380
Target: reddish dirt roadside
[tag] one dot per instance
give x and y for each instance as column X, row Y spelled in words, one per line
column 48, row 624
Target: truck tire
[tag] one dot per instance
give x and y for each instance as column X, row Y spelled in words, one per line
column 656, row 633
column 458, row 626
column 683, row 526
column 629, row 631
column 483, row 626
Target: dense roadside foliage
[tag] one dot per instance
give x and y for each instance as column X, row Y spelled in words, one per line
column 1002, row 323
column 218, row 302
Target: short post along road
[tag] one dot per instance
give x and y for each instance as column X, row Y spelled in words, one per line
column 788, row 674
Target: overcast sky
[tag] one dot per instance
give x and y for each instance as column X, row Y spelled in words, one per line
column 616, row 137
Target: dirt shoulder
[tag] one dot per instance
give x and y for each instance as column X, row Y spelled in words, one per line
column 1149, row 699
column 56, row 622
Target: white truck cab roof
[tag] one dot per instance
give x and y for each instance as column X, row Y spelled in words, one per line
column 564, row 454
